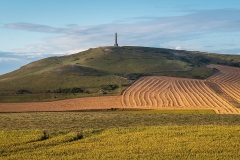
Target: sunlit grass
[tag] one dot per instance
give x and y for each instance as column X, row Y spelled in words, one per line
column 119, row 135
column 159, row 142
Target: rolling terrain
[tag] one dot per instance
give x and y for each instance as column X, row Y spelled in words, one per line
column 154, row 92
column 154, row 102
column 88, row 70
column 125, row 77
column 97, row 69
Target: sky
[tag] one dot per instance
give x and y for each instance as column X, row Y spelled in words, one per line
column 34, row 29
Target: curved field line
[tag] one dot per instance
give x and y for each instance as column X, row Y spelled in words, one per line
column 184, row 91
column 223, row 105
column 191, row 99
column 153, row 93
column 208, row 99
column 159, row 91
column 198, row 95
column 179, row 96
column 149, row 101
column 137, row 93
column 126, row 94
column 182, row 94
column 228, row 80
column 164, row 97
column 218, row 101
column 146, row 94
column 142, row 93
column 231, row 92
column 173, row 97
column 168, row 102
column 169, row 92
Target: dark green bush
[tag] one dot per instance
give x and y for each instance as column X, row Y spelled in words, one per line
column 69, row 90
column 109, row 87
column 80, row 135
column 23, row 91
column 77, row 90
column 46, row 135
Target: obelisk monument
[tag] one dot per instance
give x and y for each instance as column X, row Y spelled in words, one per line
column 115, row 44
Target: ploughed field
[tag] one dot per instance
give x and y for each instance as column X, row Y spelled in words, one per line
column 221, row 93
column 165, row 92
column 175, row 93
column 228, row 80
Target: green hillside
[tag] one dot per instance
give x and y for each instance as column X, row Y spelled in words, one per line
column 105, row 70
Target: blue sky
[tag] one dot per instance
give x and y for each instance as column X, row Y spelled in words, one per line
column 35, row 29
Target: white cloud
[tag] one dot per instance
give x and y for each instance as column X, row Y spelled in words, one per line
column 178, row 48
column 157, row 30
column 211, row 31
column 33, row 27
column 7, row 59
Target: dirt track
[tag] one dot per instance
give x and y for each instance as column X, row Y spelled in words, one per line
column 156, row 92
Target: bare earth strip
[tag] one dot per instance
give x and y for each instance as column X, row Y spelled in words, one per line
column 65, row 105
column 157, row 92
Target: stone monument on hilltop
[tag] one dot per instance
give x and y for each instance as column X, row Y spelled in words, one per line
column 115, row 44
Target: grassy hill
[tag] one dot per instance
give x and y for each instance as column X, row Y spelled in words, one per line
column 103, row 70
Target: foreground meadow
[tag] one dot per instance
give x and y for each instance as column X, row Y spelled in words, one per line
column 119, row 135
column 159, row 142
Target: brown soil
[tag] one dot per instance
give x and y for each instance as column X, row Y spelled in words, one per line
column 160, row 92
column 64, row 105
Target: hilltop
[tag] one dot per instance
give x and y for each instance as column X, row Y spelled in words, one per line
column 103, row 70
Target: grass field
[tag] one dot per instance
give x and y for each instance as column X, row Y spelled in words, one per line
column 159, row 142
column 119, row 135
column 78, row 121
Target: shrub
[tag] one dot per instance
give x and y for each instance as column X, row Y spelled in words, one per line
column 109, row 87
column 45, row 135
column 77, row 90
column 80, row 135
column 87, row 91
column 69, row 90
column 135, row 76
column 23, row 91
